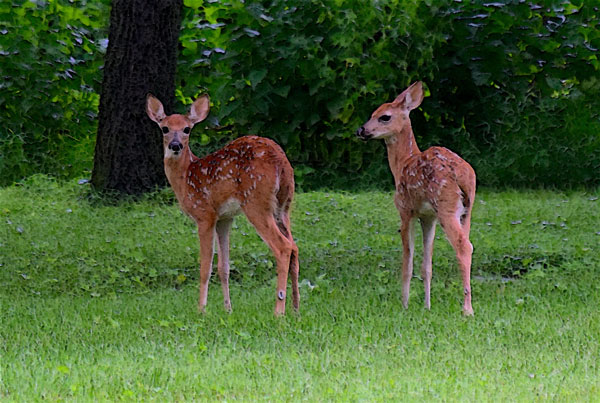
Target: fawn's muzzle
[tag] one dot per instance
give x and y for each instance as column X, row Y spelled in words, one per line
column 175, row 146
column 362, row 134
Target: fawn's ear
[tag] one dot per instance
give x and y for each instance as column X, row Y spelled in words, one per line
column 411, row 98
column 154, row 108
column 199, row 109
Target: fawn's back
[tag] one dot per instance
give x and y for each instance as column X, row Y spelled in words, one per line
column 436, row 178
column 246, row 171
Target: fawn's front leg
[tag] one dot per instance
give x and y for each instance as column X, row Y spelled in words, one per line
column 408, row 250
column 206, row 235
column 223, row 227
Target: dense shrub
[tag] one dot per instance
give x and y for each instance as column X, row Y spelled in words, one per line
column 517, row 91
column 50, row 56
column 308, row 74
column 512, row 86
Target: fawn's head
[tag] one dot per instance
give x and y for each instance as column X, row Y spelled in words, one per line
column 391, row 118
column 176, row 128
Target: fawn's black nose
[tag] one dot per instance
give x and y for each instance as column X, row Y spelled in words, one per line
column 175, row 146
column 361, row 133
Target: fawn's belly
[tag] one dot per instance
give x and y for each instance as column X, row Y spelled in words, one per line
column 230, row 208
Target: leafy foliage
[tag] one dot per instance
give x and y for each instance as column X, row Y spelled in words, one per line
column 50, row 56
column 512, row 86
column 517, row 91
column 305, row 75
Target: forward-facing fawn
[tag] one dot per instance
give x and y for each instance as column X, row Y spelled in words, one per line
column 433, row 185
column 251, row 175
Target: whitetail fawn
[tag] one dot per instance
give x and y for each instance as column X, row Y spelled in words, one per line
column 432, row 185
column 251, row 174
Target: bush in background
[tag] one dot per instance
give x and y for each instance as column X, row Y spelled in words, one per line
column 517, row 91
column 50, row 59
column 308, row 75
column 512, row 86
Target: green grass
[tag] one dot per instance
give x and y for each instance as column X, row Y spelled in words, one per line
column 98, row 302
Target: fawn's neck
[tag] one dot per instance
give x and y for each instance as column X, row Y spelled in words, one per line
column 400, row 147
column 176, row 171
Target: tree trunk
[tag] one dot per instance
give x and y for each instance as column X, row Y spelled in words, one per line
column 141, row 58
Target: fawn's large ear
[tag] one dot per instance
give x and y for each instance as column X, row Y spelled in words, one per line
column 199, row 109
column 411, row 98
column 154, row 108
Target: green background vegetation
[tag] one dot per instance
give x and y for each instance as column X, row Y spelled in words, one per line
column 512, row 86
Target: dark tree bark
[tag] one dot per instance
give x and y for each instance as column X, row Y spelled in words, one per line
column 141, row 58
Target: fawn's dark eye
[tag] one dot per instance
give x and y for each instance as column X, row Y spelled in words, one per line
column 165, row 129
column 186, row 130
column 385, row 118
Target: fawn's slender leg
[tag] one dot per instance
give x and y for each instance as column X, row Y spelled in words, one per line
column 465, row 219
column 428, row 227
column 294, row 270
column 206, row 235
column 285, row 228
column 223, row 227
column 408, row 249
column 281, row 246
column 464, row 251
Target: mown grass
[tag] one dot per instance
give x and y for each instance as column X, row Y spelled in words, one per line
column 98, row 302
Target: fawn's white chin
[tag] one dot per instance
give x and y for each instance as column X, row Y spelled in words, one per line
column 172, row 154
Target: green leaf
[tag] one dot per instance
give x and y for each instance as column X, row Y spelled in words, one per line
column 256, row 76
column 282, row 91
column 195, row 4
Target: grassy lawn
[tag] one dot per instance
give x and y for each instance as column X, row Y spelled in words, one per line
column 98, row 302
